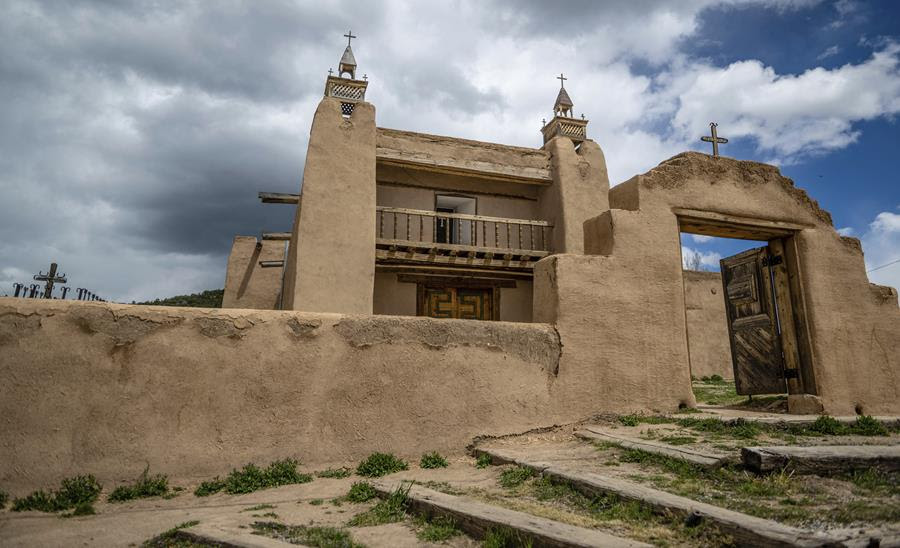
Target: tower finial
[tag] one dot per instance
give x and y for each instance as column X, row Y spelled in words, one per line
column 562, row 80
column 563, row 105
column 348, row 61
column 349, row 36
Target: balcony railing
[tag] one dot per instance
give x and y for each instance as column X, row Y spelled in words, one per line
column 459, row 238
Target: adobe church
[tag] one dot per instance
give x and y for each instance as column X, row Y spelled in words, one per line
column 410, row 224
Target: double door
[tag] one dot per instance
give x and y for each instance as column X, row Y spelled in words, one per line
column 463, row 303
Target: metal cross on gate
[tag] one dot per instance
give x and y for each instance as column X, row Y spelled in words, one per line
column 714, row 139
column 50, row 278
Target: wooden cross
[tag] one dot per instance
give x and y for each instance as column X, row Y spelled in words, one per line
column 714, row 139
column 330, row 71
column 349, row 36
column 49, row 278
column 562, row 80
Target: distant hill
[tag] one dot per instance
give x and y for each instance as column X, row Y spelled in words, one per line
column 208, row 299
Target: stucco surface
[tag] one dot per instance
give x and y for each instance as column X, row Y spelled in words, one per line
column 248, row 285
column 107, row 389
column 331, row 264
column 707, row 326
column 579, row 191
column 853, row 325
column 393, row 297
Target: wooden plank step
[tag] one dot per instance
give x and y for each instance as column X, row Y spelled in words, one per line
column 822, row 459
column 745, row 529
column 593, row 433
column 476, row 518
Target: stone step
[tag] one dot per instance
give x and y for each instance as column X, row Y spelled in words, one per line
column 706, row 460
column 745, row 529
column 822, row 459
column 476, row 519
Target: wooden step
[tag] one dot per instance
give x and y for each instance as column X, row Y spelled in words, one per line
column 745, row 529
column 822, row 459
column 476, row 518
column 706, row 460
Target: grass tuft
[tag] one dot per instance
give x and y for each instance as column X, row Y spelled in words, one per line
column 439, row 529
column 145, row 486
column 83, row 509
column 4, row 498
column 252, row 478
column 336, row 473
column 433, row 460
column 168, row 539
column 380, row 464
column 484, row 460
column 361, row 491
column 316, row 537
column 390, row 510
column 514, row 477
column 258, row 507
column 71, row 493
column 501, row 537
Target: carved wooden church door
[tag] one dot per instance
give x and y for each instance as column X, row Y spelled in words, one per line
column 462, row 303
column 756, row 352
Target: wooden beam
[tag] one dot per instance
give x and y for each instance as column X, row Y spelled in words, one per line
column 453, row 271
column 278, row 198
column 822, row 459
column 455, row 281
column 723, row 225
column 466, row 168
column 276, row 235
column 271, row 264
column 427, row 247
column 386, row 256
column 705, row 460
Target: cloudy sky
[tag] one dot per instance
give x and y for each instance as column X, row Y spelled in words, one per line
column 135, row 136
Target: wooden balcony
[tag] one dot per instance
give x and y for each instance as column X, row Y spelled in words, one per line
column 414, row 236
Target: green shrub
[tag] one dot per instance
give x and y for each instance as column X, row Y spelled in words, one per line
column 380, row 464
column 71, row 493
column 4, row 497
column 209, row 487
column 361, row 491
column 145, row 486
column 484, row 460
column 336, row 473
column 83, row 509
column 389, row 510
column 513, row 477
column 316, row 537
column 253, row 478
column 433, row 460
column 716, row 378
column 868, row 426
column 169, row 538
column 501, row 537
column 827, row 425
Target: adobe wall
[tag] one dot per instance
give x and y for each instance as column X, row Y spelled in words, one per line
column 248, row 285
column 853, row 324
column 108, row 389
column 707, row 326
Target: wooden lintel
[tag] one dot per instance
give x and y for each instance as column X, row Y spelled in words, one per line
column 479, row 169
column 276, row 235
column 452, row 271
column 456, row 281
column 279, row 198
column 271, row 264
column 723, row 225
column 384, row 255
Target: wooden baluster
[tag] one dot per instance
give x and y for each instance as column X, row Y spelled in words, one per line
column 519, row 243
column 531, row 233
column 381, row 224
column 395, row 225
column 434, row 221
column 484, row 233
column 407, row 227
column 507, row 236
column 496, row 237
column 421, row 228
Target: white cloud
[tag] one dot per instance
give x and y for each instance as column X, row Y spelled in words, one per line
column 700, row 238
column 846, row 231
column 693, row 259
column 881, row 244
column 829, row 52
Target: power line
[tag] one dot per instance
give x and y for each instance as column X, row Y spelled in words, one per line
column 884, row 265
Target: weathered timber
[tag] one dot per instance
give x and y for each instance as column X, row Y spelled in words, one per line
column 464, row 216
column 271, row 264
column 592, row 433
column 453, row 271
column 429, row 247
column 276, row 235
column 384, row 256
column 709, row 223
column 745, row 529
column 279, row 198
column 476, row 519
column 822, row 460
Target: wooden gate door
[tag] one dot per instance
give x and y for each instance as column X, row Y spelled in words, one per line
column 457, row 302
column 752, row 323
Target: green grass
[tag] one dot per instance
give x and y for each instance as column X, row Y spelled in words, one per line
column 83, row 509
column 503, row 537
column 390, row 510
column 252, row 478
column 439, row 529
column 4, row 498
column 514, row 477
column 168, row 539
column 336, row 473
column 316, row 537
column 361, row 491
column 484, row 460
column 145, row 486
column 433, row 460
column 259, row 507
column 71, row 493
column 317, row 502
column 634, row 420
column 874, row 480
column 380, row 464
column 678, row 440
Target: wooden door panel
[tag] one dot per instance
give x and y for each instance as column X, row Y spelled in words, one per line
column 752, row 324
column 459, row 303
column 440, row 303
column 474, row 304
